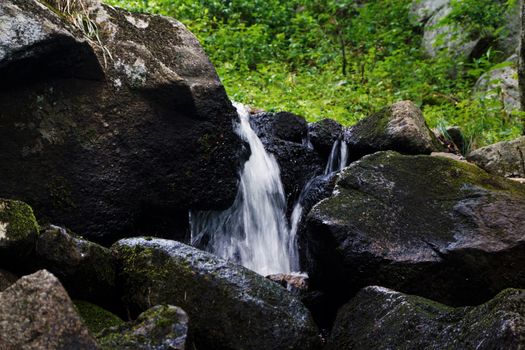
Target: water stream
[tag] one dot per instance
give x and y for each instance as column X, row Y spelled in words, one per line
column 254, row 231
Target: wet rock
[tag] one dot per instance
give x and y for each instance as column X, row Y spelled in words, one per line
column 95, row 317
column 86, row 269
column 400, row 127
column 163, row 327
column 283, row 125
column 380, row 318
column 323, row 134
column 18, row 232
column 36, row 313
column 230, row 307
column 506, row 158
column 112, row 136
column 430, row 226
column 6, row 279
column 282, row 135
column 502, row 84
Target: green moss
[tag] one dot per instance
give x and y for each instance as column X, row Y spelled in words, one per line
column 20, row 219
column 95, row 317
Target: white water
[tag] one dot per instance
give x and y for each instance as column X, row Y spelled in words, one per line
column 254, row 231
column 336, row 162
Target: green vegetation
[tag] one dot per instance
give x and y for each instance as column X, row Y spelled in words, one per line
column 345, row 59
column 95, row 317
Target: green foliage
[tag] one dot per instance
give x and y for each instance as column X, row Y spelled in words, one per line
column 343, row 59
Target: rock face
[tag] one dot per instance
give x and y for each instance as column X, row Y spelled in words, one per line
column 85, row 268
column 430, row 226
column 455, row 40
column 323, row 134
column 230, row 307
column 163, row 327
column 502, row 83
column 400, row 127
column 505, row 158
column 36, row 313
column 18, row 231
column 379, row 318
column 282, row 135
column 110, row 136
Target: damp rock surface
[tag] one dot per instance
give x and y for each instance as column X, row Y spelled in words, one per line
column 380, row 318
column 111, row 136
column 430, row 226
column 229, row 306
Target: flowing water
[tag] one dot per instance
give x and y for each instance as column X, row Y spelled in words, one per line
column 254, row 231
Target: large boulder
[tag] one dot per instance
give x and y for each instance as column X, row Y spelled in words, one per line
column 380, row 318
column 163, row 327
column 430, row 226
column 86, row 269
column 506, row 158
column 113, row 133
column 400, row 127
column 36, row 313
column 284, row 135
column 501, row 83
column 18, row 232
column 230, row 307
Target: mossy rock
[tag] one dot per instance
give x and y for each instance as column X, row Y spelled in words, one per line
column 400, row 127
column 163, row 327
column 411, row 322
column 230, row 307
column 95, row 317
column 430, row 226
column 18, row 230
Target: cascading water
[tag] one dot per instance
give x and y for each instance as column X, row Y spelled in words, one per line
column 254, row 231
column 336, row 162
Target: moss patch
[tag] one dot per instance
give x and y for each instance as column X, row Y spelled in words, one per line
column 95, row 317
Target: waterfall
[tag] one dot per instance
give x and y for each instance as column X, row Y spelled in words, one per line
column 254, row 231
column 336, row 162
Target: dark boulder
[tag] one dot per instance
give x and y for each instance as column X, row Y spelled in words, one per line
column 506, row 158
column 323, row 134
column 430, row 226
column 116, row 134
column 230, row 307
column 380, row 318
column 86, row 269
column 400, row 127
column 36, row 313
column 283, row 135
column 163, row 327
